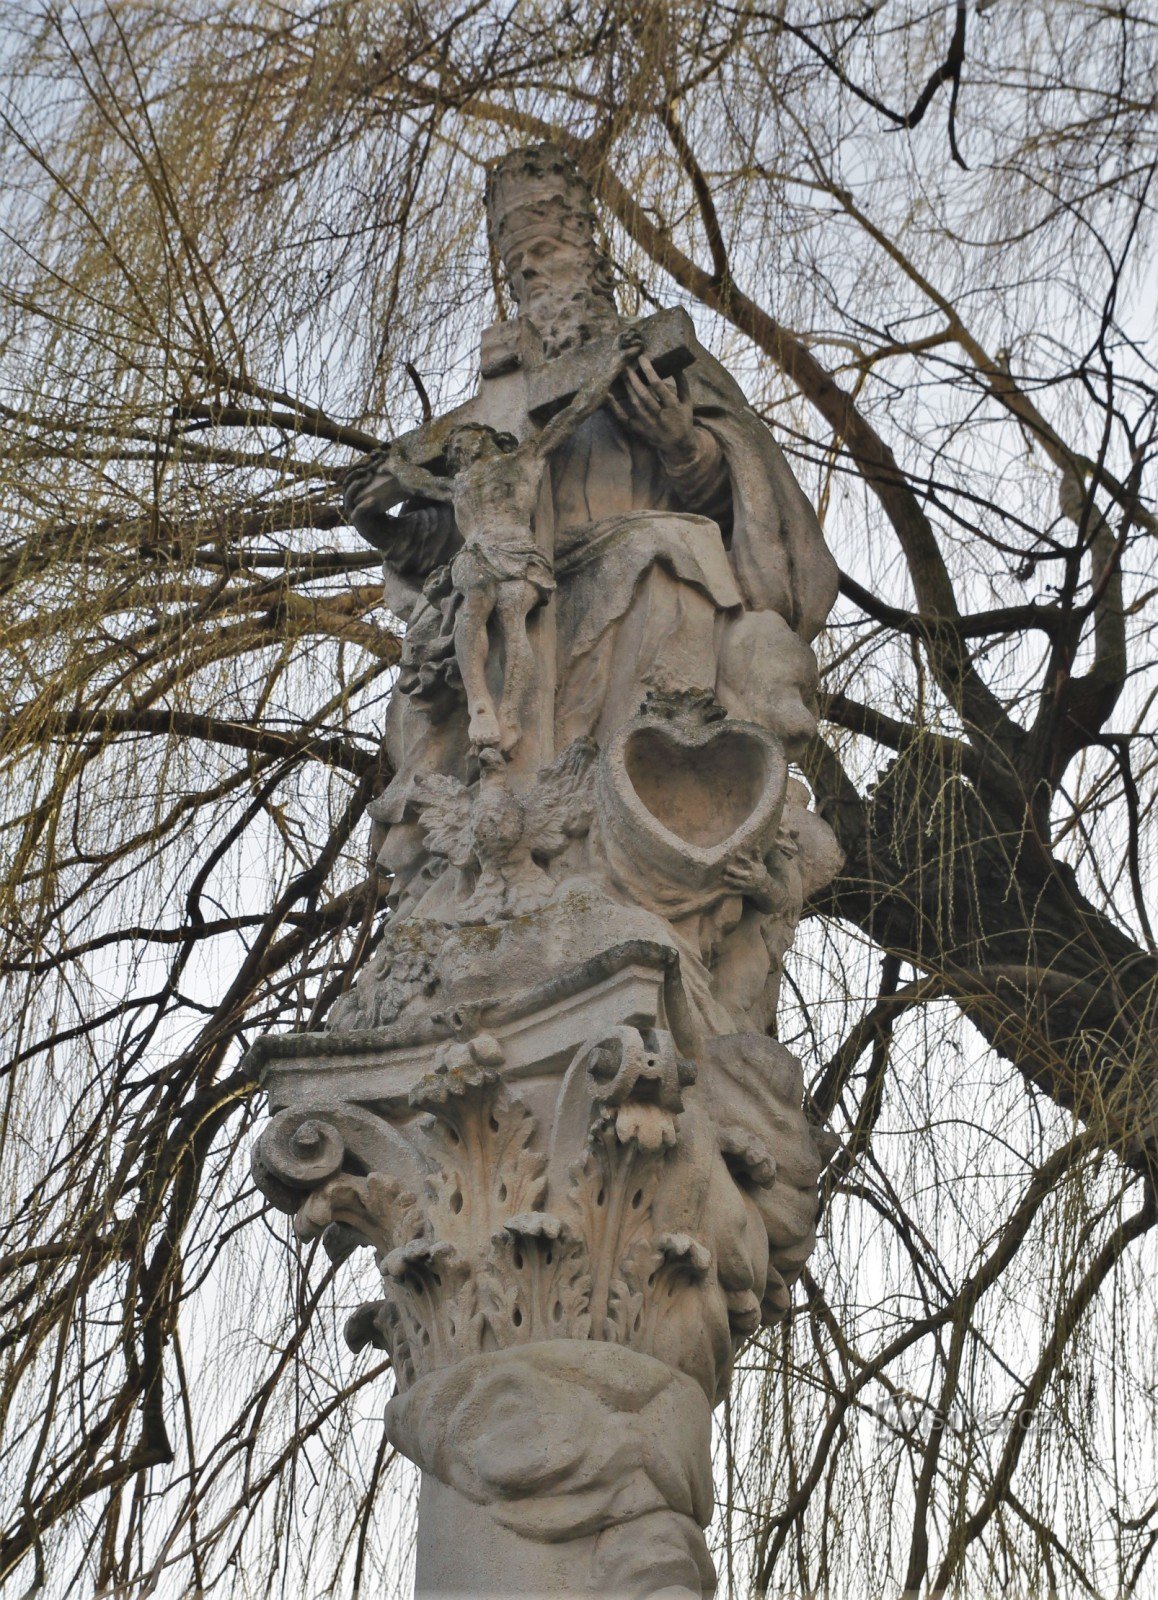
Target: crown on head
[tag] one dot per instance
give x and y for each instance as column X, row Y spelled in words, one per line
column 536, row 189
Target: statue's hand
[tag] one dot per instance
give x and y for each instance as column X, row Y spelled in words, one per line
column 746, row 874
column 363, row 481
column 658, row 411
column 421, row 537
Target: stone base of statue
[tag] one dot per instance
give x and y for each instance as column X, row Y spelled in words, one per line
column 565, row 1467
column 579, row 1210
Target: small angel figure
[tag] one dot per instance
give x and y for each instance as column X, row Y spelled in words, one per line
column 494, row 488
column 498, row 834
column 804, row 857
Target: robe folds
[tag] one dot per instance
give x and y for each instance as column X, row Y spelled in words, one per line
column 717, row 587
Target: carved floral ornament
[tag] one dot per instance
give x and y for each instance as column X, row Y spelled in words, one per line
column 651, row 1213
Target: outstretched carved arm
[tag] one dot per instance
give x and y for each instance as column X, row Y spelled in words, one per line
column 590, row 397
column 417, row 481
column 423, row 536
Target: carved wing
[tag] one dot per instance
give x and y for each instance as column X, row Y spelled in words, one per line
column 444, row 812
column 559, row 807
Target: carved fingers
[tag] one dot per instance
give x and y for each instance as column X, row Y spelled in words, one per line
column 747, row 875
column 656, row 410
column 629, row 347
column 371, row 487
column 360, row 477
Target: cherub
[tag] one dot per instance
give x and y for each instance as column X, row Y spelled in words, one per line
column 774, row 888
column 494, row 488
column 497, row 835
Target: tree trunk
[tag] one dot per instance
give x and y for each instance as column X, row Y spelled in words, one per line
column 948, row 877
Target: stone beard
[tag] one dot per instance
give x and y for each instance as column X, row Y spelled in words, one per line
column 542, row 223
column 553, row 1102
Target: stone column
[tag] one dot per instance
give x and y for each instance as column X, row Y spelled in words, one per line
column 577, row 1225
column 552, row 1104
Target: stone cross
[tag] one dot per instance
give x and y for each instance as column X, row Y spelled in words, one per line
column 553, row 1103
column 542, row 385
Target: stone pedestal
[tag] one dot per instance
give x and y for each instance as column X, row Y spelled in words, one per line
column 565, row 1467
column 577, row 1223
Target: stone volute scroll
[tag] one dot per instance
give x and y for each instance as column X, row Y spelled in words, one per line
column 553, row 1104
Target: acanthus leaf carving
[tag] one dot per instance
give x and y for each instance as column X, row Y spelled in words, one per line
column 655, row 1272
column 478, row 1135
column 538, row 1281
column 485, row 1240
column 613, row 1189
column 377, row 1208
column 436, row 1296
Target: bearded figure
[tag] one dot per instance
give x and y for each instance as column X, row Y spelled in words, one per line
column 686, row 556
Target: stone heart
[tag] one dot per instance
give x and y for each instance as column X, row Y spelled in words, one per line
column 684, row 798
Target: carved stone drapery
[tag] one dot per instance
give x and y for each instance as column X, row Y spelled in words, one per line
column 552, row 1103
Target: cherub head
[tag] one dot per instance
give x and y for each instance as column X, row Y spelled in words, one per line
column 474, row 441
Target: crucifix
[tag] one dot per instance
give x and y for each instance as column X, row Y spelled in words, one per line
column 492, row 477
column 522, row 388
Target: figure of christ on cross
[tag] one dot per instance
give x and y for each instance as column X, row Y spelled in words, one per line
column 494, row 488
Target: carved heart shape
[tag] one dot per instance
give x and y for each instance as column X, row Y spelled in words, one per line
column 685, row 798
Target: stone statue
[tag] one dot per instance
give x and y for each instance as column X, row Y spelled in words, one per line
column 553, row 1102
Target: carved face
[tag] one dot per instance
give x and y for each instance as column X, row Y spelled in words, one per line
column 467, row 445
column 554, row 282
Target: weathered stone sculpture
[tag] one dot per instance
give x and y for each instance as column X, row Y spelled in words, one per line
column 553, row 1103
